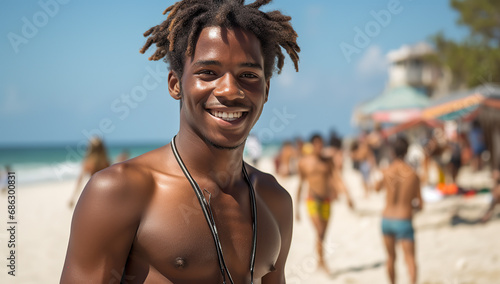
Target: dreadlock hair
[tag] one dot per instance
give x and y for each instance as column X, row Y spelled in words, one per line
column 176, row 37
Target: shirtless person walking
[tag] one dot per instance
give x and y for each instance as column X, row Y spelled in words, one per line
column 403, row 191
column 363, row 156
column 316, row 170
column 334, row 150
column 192, row 211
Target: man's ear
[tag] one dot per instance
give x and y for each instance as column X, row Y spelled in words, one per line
column 268, row 85
column 174, row 85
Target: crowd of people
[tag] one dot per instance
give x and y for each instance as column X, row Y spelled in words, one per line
column 384, row 163
column 437, row 158
column 319, row 168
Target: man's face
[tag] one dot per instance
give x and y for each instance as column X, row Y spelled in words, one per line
column 223, row 86
column 318, row 145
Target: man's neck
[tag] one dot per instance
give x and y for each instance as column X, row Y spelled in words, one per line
column 202, row 158
column 399, row 162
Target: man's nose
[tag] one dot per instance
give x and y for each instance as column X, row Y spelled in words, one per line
column 228, row 87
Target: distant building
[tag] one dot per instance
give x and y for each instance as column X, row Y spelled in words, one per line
column 413, row 74
column 412, row 65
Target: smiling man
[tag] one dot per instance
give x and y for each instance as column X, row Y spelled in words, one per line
column 192, row 211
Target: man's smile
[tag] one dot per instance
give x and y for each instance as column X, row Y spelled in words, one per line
column 228, row 115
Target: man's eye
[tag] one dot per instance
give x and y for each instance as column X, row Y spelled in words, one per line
column 206, row 72
column 249, row 75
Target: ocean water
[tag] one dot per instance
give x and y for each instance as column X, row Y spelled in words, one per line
column 63, row 162
column 56, row 163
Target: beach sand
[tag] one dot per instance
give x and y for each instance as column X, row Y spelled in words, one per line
column 450, row 248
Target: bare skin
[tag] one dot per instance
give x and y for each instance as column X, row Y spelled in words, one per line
column 403, row 187
column 495, row 197
column 90, row 166
column 316, row 170
column 140, row 221
column 375, row 142
column 365, row 154
column 337, row 157
column 286, row 156
column 433, row 150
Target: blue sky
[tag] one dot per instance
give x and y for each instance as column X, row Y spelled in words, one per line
column 73, row 68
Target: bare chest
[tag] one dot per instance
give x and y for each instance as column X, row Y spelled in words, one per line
column 315, row 166
column 174, row 241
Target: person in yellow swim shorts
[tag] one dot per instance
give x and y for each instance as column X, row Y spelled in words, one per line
column 319, row 208
column 316, row 169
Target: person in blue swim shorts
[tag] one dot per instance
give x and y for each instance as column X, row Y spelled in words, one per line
column 402, row 199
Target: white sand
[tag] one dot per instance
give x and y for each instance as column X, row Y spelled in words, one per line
column 465, row 253
column 44, row 220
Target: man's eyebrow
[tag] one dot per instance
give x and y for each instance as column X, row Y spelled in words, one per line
column 207, row 62
column 218, row 63
column 251, row 65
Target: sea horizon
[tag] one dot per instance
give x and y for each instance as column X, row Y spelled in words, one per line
column 62, row 161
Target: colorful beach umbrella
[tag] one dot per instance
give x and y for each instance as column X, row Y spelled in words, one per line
column 463, row 105
column 396, row 105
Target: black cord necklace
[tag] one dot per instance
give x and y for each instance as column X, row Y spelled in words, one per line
column 207, row 211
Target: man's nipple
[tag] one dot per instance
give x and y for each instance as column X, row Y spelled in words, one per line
column 180, row 263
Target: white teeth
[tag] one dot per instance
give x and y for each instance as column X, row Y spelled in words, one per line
column 228, row 116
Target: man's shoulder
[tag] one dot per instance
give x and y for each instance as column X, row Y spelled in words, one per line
column 267, row 186
column 275, row 198
column 140, row 169
column 128, row 179
column 403, row 173
column 259, row 176
column 125, row 172
column 306, row 159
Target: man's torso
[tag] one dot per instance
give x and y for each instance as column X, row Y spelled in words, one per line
column 174, row 243
column 317, row 172
column 401, row 184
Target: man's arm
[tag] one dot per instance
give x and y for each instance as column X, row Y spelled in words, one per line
column 342, row 187
column 299, row 189
column 379, row 184
column 104, row 226
column 333, row 191
column 419, row 199
column 283, row 212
